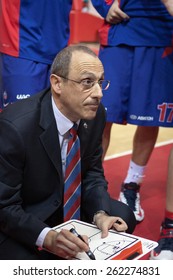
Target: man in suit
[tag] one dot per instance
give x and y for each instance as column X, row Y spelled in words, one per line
column 33, row 143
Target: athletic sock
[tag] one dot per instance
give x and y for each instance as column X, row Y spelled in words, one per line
column 135, row 173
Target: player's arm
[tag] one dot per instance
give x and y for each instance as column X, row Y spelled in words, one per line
column 169, row 5
column 115, row 14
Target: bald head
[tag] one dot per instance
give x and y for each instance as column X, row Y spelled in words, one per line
column 61, row 63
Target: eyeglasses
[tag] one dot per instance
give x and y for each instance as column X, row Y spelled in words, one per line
column 87, row 83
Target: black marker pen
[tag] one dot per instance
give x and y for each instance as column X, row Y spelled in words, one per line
column 89, row 253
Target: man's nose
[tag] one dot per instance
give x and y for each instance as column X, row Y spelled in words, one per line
column 97, row 91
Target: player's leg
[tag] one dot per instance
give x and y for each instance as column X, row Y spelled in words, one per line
column 164, row 251
column 150, row 105
column 143, row 143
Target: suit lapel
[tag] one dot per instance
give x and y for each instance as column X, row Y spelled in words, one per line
column 49, row 137
column 83, row 131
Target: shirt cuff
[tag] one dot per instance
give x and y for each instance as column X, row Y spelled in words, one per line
column 41, row 237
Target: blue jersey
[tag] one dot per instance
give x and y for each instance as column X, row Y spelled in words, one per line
column 149, row 25
column 34, row 29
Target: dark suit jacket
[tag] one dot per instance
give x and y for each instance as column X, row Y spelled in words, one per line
column 31, row 181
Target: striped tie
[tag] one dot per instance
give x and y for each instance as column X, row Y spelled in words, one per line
column 72, row 186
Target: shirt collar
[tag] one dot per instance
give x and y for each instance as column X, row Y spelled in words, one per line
column 63, row 123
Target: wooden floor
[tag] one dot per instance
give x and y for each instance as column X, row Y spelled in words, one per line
column 122, row 136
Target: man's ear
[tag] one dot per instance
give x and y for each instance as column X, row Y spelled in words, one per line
column 55, row 83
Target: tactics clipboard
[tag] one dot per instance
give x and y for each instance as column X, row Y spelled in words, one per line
column 116, row 246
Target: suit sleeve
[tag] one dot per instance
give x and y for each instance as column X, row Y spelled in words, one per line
column 94, row 185
column 14, row 221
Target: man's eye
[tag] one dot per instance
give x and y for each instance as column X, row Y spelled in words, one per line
column 87, row 82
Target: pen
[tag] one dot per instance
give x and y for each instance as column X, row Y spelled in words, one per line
column 89, row 253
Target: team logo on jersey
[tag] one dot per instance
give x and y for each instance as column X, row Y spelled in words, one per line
column 133, row 117
column 141, row 118
column 145, row 118
column 5, row 96
column 22, row 96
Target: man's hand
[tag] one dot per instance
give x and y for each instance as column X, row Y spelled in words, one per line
column 115, row 14
column 105, row 222
column 169, row 5
column 64, row 244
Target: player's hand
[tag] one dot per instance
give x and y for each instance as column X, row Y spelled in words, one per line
column 115, row 14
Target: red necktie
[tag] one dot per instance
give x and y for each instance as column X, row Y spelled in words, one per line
column 72, row 185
